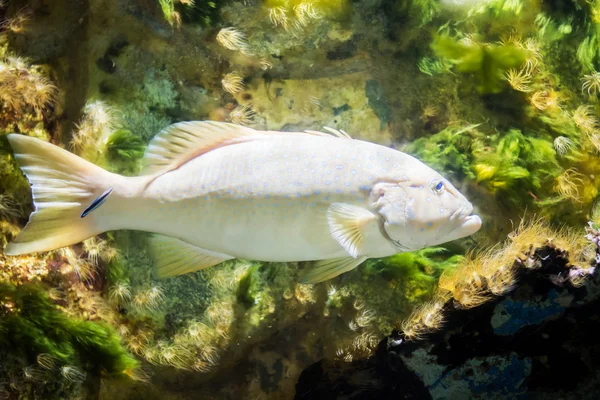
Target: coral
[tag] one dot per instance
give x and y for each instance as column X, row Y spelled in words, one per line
column 72, row 373
column 585, row 120
column 431, row 66
column 97, row 124
column 46, row 361
column 18, row 22
column 426, row 319
column 148, row 299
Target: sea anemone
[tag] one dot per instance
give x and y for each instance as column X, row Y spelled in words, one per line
column 233, row 39
column 562, row 145
column 233, row 83
column 519, row 79
column 591, row 83
column 242, row 115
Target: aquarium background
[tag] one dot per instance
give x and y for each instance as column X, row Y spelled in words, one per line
column 500, row 96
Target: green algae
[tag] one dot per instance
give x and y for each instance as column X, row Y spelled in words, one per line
column 124, row 149
column 32, row 324
column 488, row 62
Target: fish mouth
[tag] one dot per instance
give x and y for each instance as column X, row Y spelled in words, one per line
column 468, row 226
column 465, row 224
column 471, row 224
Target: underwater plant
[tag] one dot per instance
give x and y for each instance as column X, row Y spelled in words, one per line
column 489, row 62
column 124, row 150
column 421, row 265
column 200, row 11
column 168, row 9
column 516, row 164
column 449, row 151
column 33, row 326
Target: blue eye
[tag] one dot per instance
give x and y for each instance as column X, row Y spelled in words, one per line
column 439, row 186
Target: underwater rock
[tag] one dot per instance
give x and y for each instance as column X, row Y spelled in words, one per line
column 537, row 340
column 315, row 103
column 511, row 316
column 345, row 50
column 375, row 94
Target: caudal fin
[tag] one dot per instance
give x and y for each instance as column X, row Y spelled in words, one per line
column 63, row 186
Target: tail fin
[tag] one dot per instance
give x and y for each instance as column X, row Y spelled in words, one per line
column 64, row 186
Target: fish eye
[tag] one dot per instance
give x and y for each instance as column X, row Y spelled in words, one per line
column 438, row 186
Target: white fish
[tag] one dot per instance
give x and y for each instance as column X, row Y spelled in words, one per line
column 214, row 191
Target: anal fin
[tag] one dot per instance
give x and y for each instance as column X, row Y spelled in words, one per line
column 174, row 257
column 326, row 269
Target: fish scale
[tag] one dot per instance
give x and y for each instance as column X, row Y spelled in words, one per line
column 284, row 186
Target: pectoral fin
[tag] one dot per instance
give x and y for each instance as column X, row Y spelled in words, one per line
column 326, row 269
column 175, row 257
column 347, row 226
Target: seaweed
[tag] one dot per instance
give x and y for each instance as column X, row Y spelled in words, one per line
column 489, row 62
column 125, row 149
column 32, row 324
column 423, row 265
column 448, row 151
column 249, row 287
column 517, row 165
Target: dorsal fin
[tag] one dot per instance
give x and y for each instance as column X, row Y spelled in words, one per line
column 335, row 132
column 178, row 143
column 183, row 141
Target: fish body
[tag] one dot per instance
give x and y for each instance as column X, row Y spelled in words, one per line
column 215, row 191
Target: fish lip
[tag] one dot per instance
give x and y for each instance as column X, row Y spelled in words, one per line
column 469, row 225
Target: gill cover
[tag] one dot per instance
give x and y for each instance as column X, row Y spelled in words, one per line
column 391, row 201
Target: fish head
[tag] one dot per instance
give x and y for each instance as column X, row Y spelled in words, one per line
column 425, row 211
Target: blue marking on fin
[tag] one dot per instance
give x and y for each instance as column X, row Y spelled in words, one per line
column 97, row 203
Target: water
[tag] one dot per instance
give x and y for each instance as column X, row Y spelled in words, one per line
column 499, row 96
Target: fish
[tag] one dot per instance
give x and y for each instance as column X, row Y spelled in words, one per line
column 214, row 191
